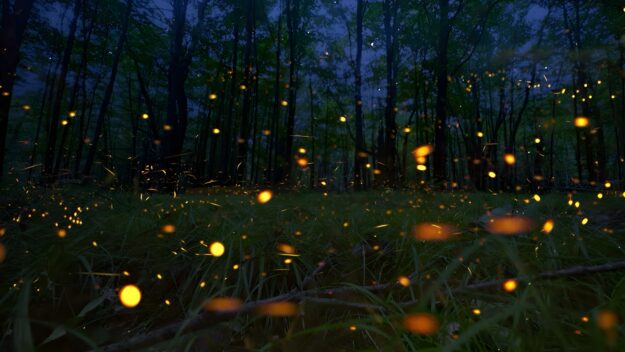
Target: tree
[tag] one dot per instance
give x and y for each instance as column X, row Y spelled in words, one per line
column 13, row 24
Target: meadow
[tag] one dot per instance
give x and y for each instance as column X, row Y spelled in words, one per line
column 310, row 271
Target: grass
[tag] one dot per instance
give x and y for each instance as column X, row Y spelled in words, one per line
column 61, row 293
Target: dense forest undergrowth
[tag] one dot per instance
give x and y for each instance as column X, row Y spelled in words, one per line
column 308, row 270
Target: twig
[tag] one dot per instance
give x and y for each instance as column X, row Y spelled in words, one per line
column 205, row 319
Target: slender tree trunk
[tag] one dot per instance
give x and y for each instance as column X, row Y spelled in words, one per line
column 48, row 165
column 360, row 157
column 272, row 173
column 388, row 148
column 47, row 91
column 244, row 134
column 293, row 23
column 440, row 130
column 82, row 70
column 12, row 27
column 234, row 88
column 108, row 93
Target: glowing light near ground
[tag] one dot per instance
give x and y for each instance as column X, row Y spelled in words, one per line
column 581, row 122
column 168, row 229
column 607, row 320
column 423, row 151
column 433, row 232
column 217, row 249
column 421, row 324
column 510, row 285
column 264, row 196
column 492, row 174
column 222, row 304
column 509, row 225
column 130, row 296
column 509, row 158
column 404, row 281
column 548, row 226
column 278, row 309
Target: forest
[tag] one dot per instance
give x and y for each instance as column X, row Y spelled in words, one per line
column 419, row 175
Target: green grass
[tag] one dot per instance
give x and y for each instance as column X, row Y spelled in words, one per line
column 60, row 293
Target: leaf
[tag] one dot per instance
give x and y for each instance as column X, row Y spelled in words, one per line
column 22, row 335
column 59, row 331
column 91, row 306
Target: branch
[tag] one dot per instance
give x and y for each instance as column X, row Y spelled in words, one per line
column 205, row 319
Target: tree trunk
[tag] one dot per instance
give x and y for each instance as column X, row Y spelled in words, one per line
column 360, row 157
column 108, row 93
column 244, row 134
column 440, row 130
column 11, row 34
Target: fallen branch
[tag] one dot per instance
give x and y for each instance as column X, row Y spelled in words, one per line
column 205, row 319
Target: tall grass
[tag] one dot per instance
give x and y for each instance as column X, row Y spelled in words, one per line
column 60, row 293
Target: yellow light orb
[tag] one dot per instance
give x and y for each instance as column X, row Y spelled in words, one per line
column 480, row 134
column 130, row 296
column 510, row 285
column 343, row 119
column 581, row 122
column 548, row 226
column 72, row 114
column 404, row 281
column 64, row 122
column 216, row 131
column 492, row 174
column 212, row 96
column 422, row 167
column 264, row 196
column 284, row 103
column 537, row 140
column 302, row 162
column 509, row 158
column 217, row 249
column 145, row 116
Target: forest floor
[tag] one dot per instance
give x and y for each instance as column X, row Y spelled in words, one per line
column 338, row 256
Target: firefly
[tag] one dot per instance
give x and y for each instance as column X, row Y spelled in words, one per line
column 264, row 196
column 130, row 296
column 217, row 249
column 510, row 285
column 581, row 122
column 509, row 158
